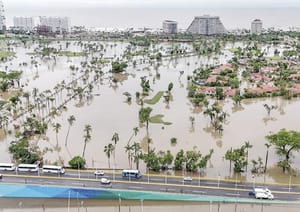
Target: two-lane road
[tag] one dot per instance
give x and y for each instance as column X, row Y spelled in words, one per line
column 158, row 183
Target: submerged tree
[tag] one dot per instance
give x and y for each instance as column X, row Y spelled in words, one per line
column 285, row 143
column 77, row 162
column 71, row 120
column 144, row 117
column 87, row 137
column 108, row 150
column 237, row 156
column 24, row 152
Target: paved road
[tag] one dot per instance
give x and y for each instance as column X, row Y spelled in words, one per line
column 158, row 183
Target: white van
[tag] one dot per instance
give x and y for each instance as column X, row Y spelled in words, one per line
column 7, row 167
column 53, row 169
column 263, row 193
column 28, row 167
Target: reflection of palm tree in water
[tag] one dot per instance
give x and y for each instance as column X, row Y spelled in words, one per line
column 269, row 108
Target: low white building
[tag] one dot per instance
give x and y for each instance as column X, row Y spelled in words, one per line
column 256, row 26
column 24, row 23
column 169, row 27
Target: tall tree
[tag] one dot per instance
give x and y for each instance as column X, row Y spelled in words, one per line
column 144, row 117
column 267, row 156
column 128, row 150
column 56, row 128
column 136, row 153
column 237, row 156
column 285, row 142
column 71, row 120
column 108, row 149
column 247, row 146
column 115, row 139
column 87, row 137
column 135, row 132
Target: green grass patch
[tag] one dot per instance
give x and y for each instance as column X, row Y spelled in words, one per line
column 155, row 99
column 72, row 54
column 158, row 119
column 276, row 57
column 102, row 61
column 4, row 54
column 233, row 50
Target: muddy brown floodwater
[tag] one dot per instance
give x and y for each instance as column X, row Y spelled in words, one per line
column 108, row 113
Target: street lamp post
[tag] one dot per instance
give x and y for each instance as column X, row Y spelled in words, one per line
column 148, row 175
column 290, row 182
column 69, row 197
column 253, row 177
column 199, row 177
column 119, row 202
column 166, row 178
column 219, row 180
column 78, row 170
column 142, row 205
column 235, row 181
column 114, row 176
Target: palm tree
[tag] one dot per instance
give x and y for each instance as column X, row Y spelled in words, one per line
column 144, row 117
column 128, row 149
column 115, row 139
column 56, row 128
column 267, row 156
column 87, row 137
column 135, row 131
column 247, row 145
column 71, row 120
column 136, row 153
column 108, row 149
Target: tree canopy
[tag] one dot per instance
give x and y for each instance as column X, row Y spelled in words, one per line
column 285, row 142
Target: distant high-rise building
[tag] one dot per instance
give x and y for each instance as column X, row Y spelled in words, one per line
column 56, row 24
column 2, row 18
column 170, row 27
column 206, row 25
column 24, row 23
column 256, row 26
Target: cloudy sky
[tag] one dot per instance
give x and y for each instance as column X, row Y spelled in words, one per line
column 154, row 3
column 150, row 13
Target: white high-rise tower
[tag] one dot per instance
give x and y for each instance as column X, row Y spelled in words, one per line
column 2, row 18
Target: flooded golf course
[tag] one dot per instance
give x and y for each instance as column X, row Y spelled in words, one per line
column 107, row 111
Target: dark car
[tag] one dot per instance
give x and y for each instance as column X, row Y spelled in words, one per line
column 251, row 193
column 1, row 176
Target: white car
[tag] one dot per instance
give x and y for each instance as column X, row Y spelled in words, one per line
column 99, row 173
column 104, row 181
column 264, row 195
column 187, row 179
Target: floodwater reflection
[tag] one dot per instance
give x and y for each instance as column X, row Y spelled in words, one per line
column 107, row 111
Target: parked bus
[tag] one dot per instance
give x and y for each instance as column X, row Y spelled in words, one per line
column 131, row 173
column 7, row 167
column 53, row 169
column 28, row 167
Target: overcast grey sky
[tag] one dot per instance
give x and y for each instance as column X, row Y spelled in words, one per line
column 154, row 3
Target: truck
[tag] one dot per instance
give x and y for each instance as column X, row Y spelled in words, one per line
column 262, row 193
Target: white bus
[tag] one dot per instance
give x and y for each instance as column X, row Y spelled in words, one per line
column 28, row 167
column 131, row 173
column 53, row 169
column 7, row 167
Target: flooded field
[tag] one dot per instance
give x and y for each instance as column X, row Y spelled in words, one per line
column 107, row 111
